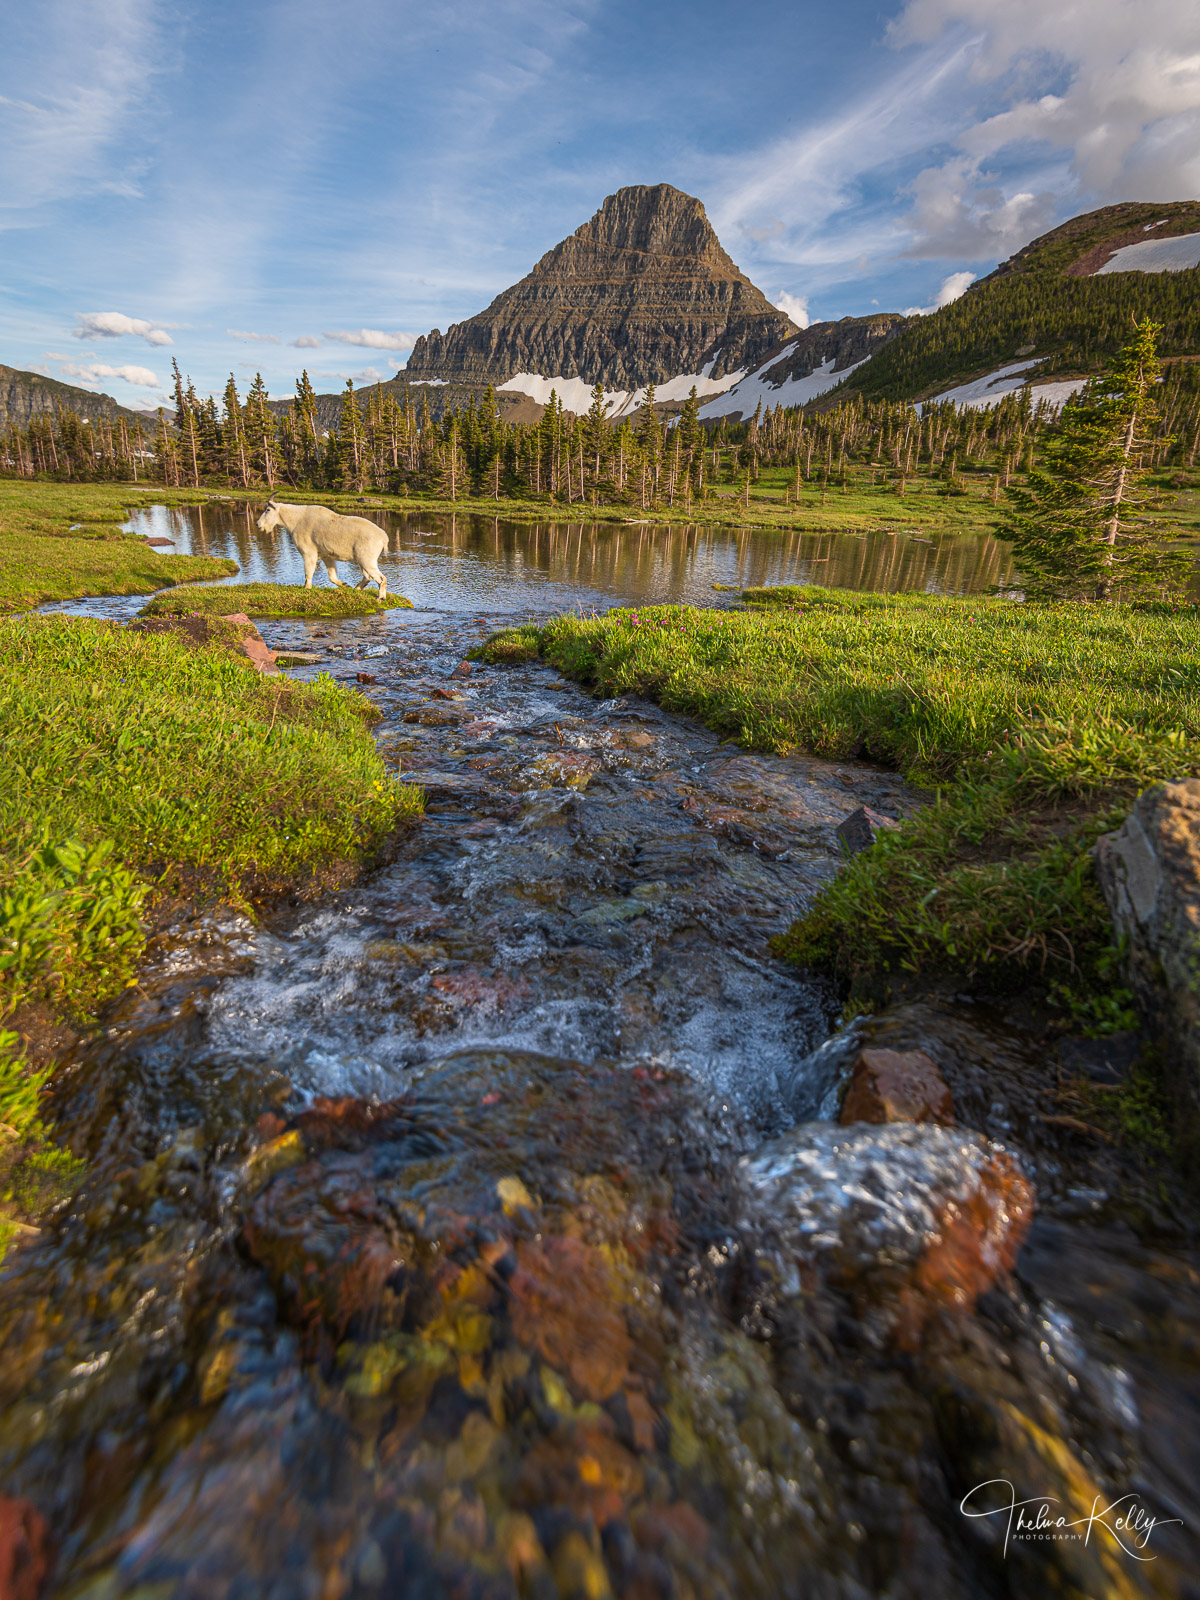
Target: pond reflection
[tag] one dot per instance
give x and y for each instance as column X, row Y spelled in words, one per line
column 468, row 561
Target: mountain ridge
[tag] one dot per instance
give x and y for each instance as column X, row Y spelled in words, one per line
column 641, row 293
column 25, row 395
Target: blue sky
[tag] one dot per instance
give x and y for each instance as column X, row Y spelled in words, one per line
column 260, row 186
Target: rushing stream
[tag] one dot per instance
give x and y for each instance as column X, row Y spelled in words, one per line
column 478, row 1231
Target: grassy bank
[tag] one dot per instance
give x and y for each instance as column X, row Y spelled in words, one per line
column 1034, row 725
column 140, row 767
column 64, row 541
column 271, row 600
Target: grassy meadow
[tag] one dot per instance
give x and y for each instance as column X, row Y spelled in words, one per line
column 1034, row 726
column 141, row 767
column 61, row 541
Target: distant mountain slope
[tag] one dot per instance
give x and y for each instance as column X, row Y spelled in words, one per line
column 1084, row 245
column 642, row 293
column 1064, row 303
column 809, row 365
column 25, row 395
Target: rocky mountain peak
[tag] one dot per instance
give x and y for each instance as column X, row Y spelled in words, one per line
column 640, row 293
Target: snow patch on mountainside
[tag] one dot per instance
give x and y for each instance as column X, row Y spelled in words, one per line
column 1155, row 255
column 576, row 393
column 981, row 393
column 792, row 392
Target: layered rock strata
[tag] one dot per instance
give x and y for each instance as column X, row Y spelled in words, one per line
column 641, row 293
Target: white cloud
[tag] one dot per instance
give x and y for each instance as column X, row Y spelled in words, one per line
column 953, row 288
column 374, row 339
column 93, row 371
column 115, row 325
column 251, row 338
column 367, row 375
column 794, row 306
column 1106, row 91
column 306, row 341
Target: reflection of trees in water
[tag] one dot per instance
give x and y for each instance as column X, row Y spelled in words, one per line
column 646, row 559
column 641, row 561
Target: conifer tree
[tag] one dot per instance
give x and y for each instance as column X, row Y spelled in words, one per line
column 260, row 431
column 596, row 424
column 234, row 437
column 1074, row 525
column 350, row 440
column 304, row 410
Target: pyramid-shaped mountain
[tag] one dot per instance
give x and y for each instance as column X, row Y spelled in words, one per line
column 640, row 294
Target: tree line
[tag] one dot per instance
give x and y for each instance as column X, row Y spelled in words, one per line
column 387, row 443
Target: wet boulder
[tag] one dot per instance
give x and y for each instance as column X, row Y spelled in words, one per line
column 908, row 1219
column 897, row 1086
column 1149, row 870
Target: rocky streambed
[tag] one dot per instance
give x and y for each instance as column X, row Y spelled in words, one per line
column 482, row 1231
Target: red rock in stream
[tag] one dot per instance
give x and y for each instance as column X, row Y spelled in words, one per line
column 909, row 1219
column 24, row 1550
column 897, row 1086
column 563, row 1306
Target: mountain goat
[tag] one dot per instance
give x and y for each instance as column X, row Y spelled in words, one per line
column 322, row 535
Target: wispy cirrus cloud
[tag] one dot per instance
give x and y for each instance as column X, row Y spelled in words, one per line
column 115, row 325
column 373, row 338
column 306, row 341
column 68, row 131
column 251, row 338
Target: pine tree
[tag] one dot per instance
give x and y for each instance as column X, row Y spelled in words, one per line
column 596, row 424
column 351, row 440
column 234, row 439
column 260, row 431
column 187, row 423
column 304, row 410
column 1074, row 525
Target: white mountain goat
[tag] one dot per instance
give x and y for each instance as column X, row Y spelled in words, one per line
column 322, row 535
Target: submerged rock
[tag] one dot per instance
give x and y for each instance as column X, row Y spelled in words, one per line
column 1150, row 873
column 24, row 1550
column 910, row 1219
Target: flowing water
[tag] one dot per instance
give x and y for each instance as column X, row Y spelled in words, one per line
column 480, row 1231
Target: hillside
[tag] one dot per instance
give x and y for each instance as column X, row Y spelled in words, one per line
column 642, row 293
column 25, row 395
column 1063, row 304
column 809, row 365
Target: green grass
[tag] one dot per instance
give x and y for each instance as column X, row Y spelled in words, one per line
column 34, row 1174
column 135, row 762
column 271, row 600
column 44, row 556
column 1036, row 725
column 137, row 766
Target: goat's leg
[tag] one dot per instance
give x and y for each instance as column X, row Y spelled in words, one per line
column 310, row 566
column 371, row 569
column 331, row 569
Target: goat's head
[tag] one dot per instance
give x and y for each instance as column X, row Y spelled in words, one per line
column 270, row 519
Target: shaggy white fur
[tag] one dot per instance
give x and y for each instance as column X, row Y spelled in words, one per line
column 322, row 535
